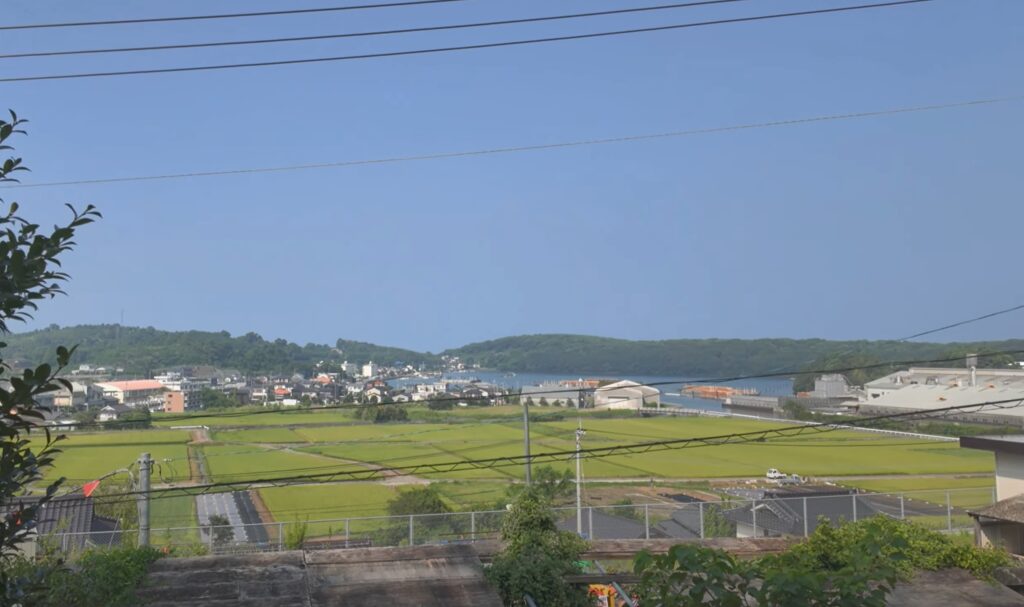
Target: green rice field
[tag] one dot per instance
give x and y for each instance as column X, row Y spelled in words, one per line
column 302, row 442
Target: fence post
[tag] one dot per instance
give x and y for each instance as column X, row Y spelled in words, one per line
column 993, row 495
column 280, row 536
column 701, row 506
column 949, row 514
column 590, row 523
column 903, row 513
column 346, row 532
column 412, row 539
column 853, row 500
column 210, row 530
column 805, row 517
column 647, row 521
column 472, row 525
column 753, row 515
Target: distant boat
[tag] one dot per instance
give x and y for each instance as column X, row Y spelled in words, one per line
column 510, row 375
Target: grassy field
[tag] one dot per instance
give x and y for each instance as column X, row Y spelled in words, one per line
column 972, row 492
column 249, row 462
column 86, row 457
column 360, row 502
column 303, row 442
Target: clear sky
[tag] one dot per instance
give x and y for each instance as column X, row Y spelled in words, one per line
column 872, row 228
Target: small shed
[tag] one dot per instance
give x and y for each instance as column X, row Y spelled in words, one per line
column 1001, row 524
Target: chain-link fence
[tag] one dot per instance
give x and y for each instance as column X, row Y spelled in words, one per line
column 753, row 514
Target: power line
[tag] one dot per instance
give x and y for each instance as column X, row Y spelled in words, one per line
column 529, row 148
column 455, row 399
column 588, row 453
column 433, row 28
column 963, row 322
column 298, row 11
column 465, row 47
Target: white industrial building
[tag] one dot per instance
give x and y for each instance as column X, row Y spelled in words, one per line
column 370, row 369
column 626, row 394
column 925, row 388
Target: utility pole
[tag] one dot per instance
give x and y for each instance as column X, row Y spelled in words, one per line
column 579, row 479
column 145, row 467
column 526, row 440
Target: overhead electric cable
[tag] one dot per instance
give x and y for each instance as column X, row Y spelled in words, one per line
column 527, row 148
column 389, row 32
column 963, row 322
column 465, row 47
column 293, row 11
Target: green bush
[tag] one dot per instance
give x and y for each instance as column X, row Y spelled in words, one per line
column 295, row 537
column 853, row 564
column 912, row 546
column 537, row 556
column 99, row 578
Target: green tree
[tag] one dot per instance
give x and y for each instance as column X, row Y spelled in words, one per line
column 215, row 399
column 390, row 413
column 221, row 529
column 549, row 484
column 136, row 419
column 418, row 500
column 537, row 556
column 29, row 273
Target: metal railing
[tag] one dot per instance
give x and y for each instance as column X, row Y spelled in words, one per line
column 743, row 516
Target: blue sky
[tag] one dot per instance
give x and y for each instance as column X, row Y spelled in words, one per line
column 872, row 228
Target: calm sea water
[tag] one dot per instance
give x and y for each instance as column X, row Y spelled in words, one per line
column 669, row 386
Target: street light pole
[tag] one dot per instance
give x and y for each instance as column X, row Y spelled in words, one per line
column 526, row 440
column 579, row 479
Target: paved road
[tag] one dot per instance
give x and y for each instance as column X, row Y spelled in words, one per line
column 221, row 504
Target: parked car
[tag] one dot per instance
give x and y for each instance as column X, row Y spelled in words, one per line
column 774, row 474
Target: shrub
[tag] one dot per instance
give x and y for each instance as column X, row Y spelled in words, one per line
column 537, row 556
column 295, row 537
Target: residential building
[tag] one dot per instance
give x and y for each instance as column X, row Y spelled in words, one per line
column 1009, row 456
column 112, row 412
column 76, row 397
column 190, row 388
column 601, row 525
column 174, row 402
column 134, row 393
column 370, row 369
column 798, row 511
column 626, row 394
column 72, row 516
column 350, row 369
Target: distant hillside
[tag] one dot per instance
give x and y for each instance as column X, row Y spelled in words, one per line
column 694, row 357
column 143, row 350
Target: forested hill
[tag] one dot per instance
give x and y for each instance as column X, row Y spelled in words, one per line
column 700, row 357
column 144, row 350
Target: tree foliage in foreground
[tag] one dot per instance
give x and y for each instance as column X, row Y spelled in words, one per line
column 855, row 564
column 537, row 556
column 29, row 274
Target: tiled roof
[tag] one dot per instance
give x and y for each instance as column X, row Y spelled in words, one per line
column 785, row 515
column 73, row 514
column 1010, row 509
